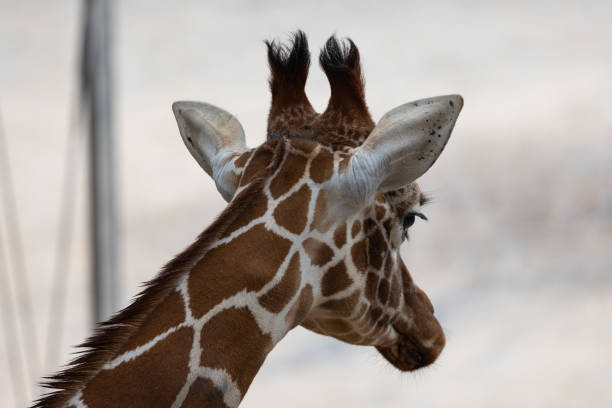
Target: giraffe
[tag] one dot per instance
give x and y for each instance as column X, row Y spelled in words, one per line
column 310, row 237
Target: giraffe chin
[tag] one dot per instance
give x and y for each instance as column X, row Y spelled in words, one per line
column 408, row 355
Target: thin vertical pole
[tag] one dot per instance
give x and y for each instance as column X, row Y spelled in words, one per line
column 97, row 93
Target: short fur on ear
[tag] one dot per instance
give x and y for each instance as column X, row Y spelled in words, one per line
column 212, row 136
column 401, row 148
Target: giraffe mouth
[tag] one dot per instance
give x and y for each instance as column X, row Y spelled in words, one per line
column 408, row 354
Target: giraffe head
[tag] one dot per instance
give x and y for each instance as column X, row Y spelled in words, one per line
column 340, row 187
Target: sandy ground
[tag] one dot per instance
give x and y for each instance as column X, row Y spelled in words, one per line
column 517, row 257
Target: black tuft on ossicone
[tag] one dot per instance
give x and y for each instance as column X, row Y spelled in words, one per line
column 339, row 57
column 289, row 65
column 340, row 61
column 291, row 61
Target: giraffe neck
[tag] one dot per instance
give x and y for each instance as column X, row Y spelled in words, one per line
column 203, row 344
column 239, row 323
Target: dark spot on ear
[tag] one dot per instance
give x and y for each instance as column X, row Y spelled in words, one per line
column 439, row 127
column 433, row 132
column 180, row 111
column 189, row 139
column 451, row 103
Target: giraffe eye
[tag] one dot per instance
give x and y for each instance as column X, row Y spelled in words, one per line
column 409, row 218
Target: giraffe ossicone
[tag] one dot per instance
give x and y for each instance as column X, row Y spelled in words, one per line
column 310, row 237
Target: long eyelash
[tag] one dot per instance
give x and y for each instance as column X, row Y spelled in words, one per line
column 426, row 199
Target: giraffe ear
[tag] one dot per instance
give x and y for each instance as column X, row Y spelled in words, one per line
column 213, row 137
column 402, row 147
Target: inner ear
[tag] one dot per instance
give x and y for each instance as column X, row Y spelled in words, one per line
column 401, row 148
column 408, row 140
column 214, row 138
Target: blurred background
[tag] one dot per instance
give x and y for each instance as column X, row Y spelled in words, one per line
column 517, row 256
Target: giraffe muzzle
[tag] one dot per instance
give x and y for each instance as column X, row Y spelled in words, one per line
column 409, row 354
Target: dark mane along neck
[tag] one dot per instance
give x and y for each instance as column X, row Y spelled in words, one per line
column 112, row 335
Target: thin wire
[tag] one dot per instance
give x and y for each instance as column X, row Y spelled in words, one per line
column 57, row 309
column 13, row 351
column 20, row 280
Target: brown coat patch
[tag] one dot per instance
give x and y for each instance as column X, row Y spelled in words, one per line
column 259, row 161
column 388, row 225
column 203, row 393
column 342, row 307
column 291, row 171
column 322, row 166
column 242, row 160
column 276, row 298
column 303, row 147
column 319, row 252
column 384, row 320
column 375, row 313
column 335, row 279
column 152, row 380
column 257, row 208
column 292, row 212
column 340, row 235
column 380, row 212
column 300, row 308
column 383, row 291
column 388, row 266
column 166, row 315
column 355, row 228
column 396, row 292
column 335, row 326
column 232, row 340
column 377, row 247
column 358, row 254
column 231, row 267
column 353, row 338
column 371, row 287
column 320, row 221
column 369, row 224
